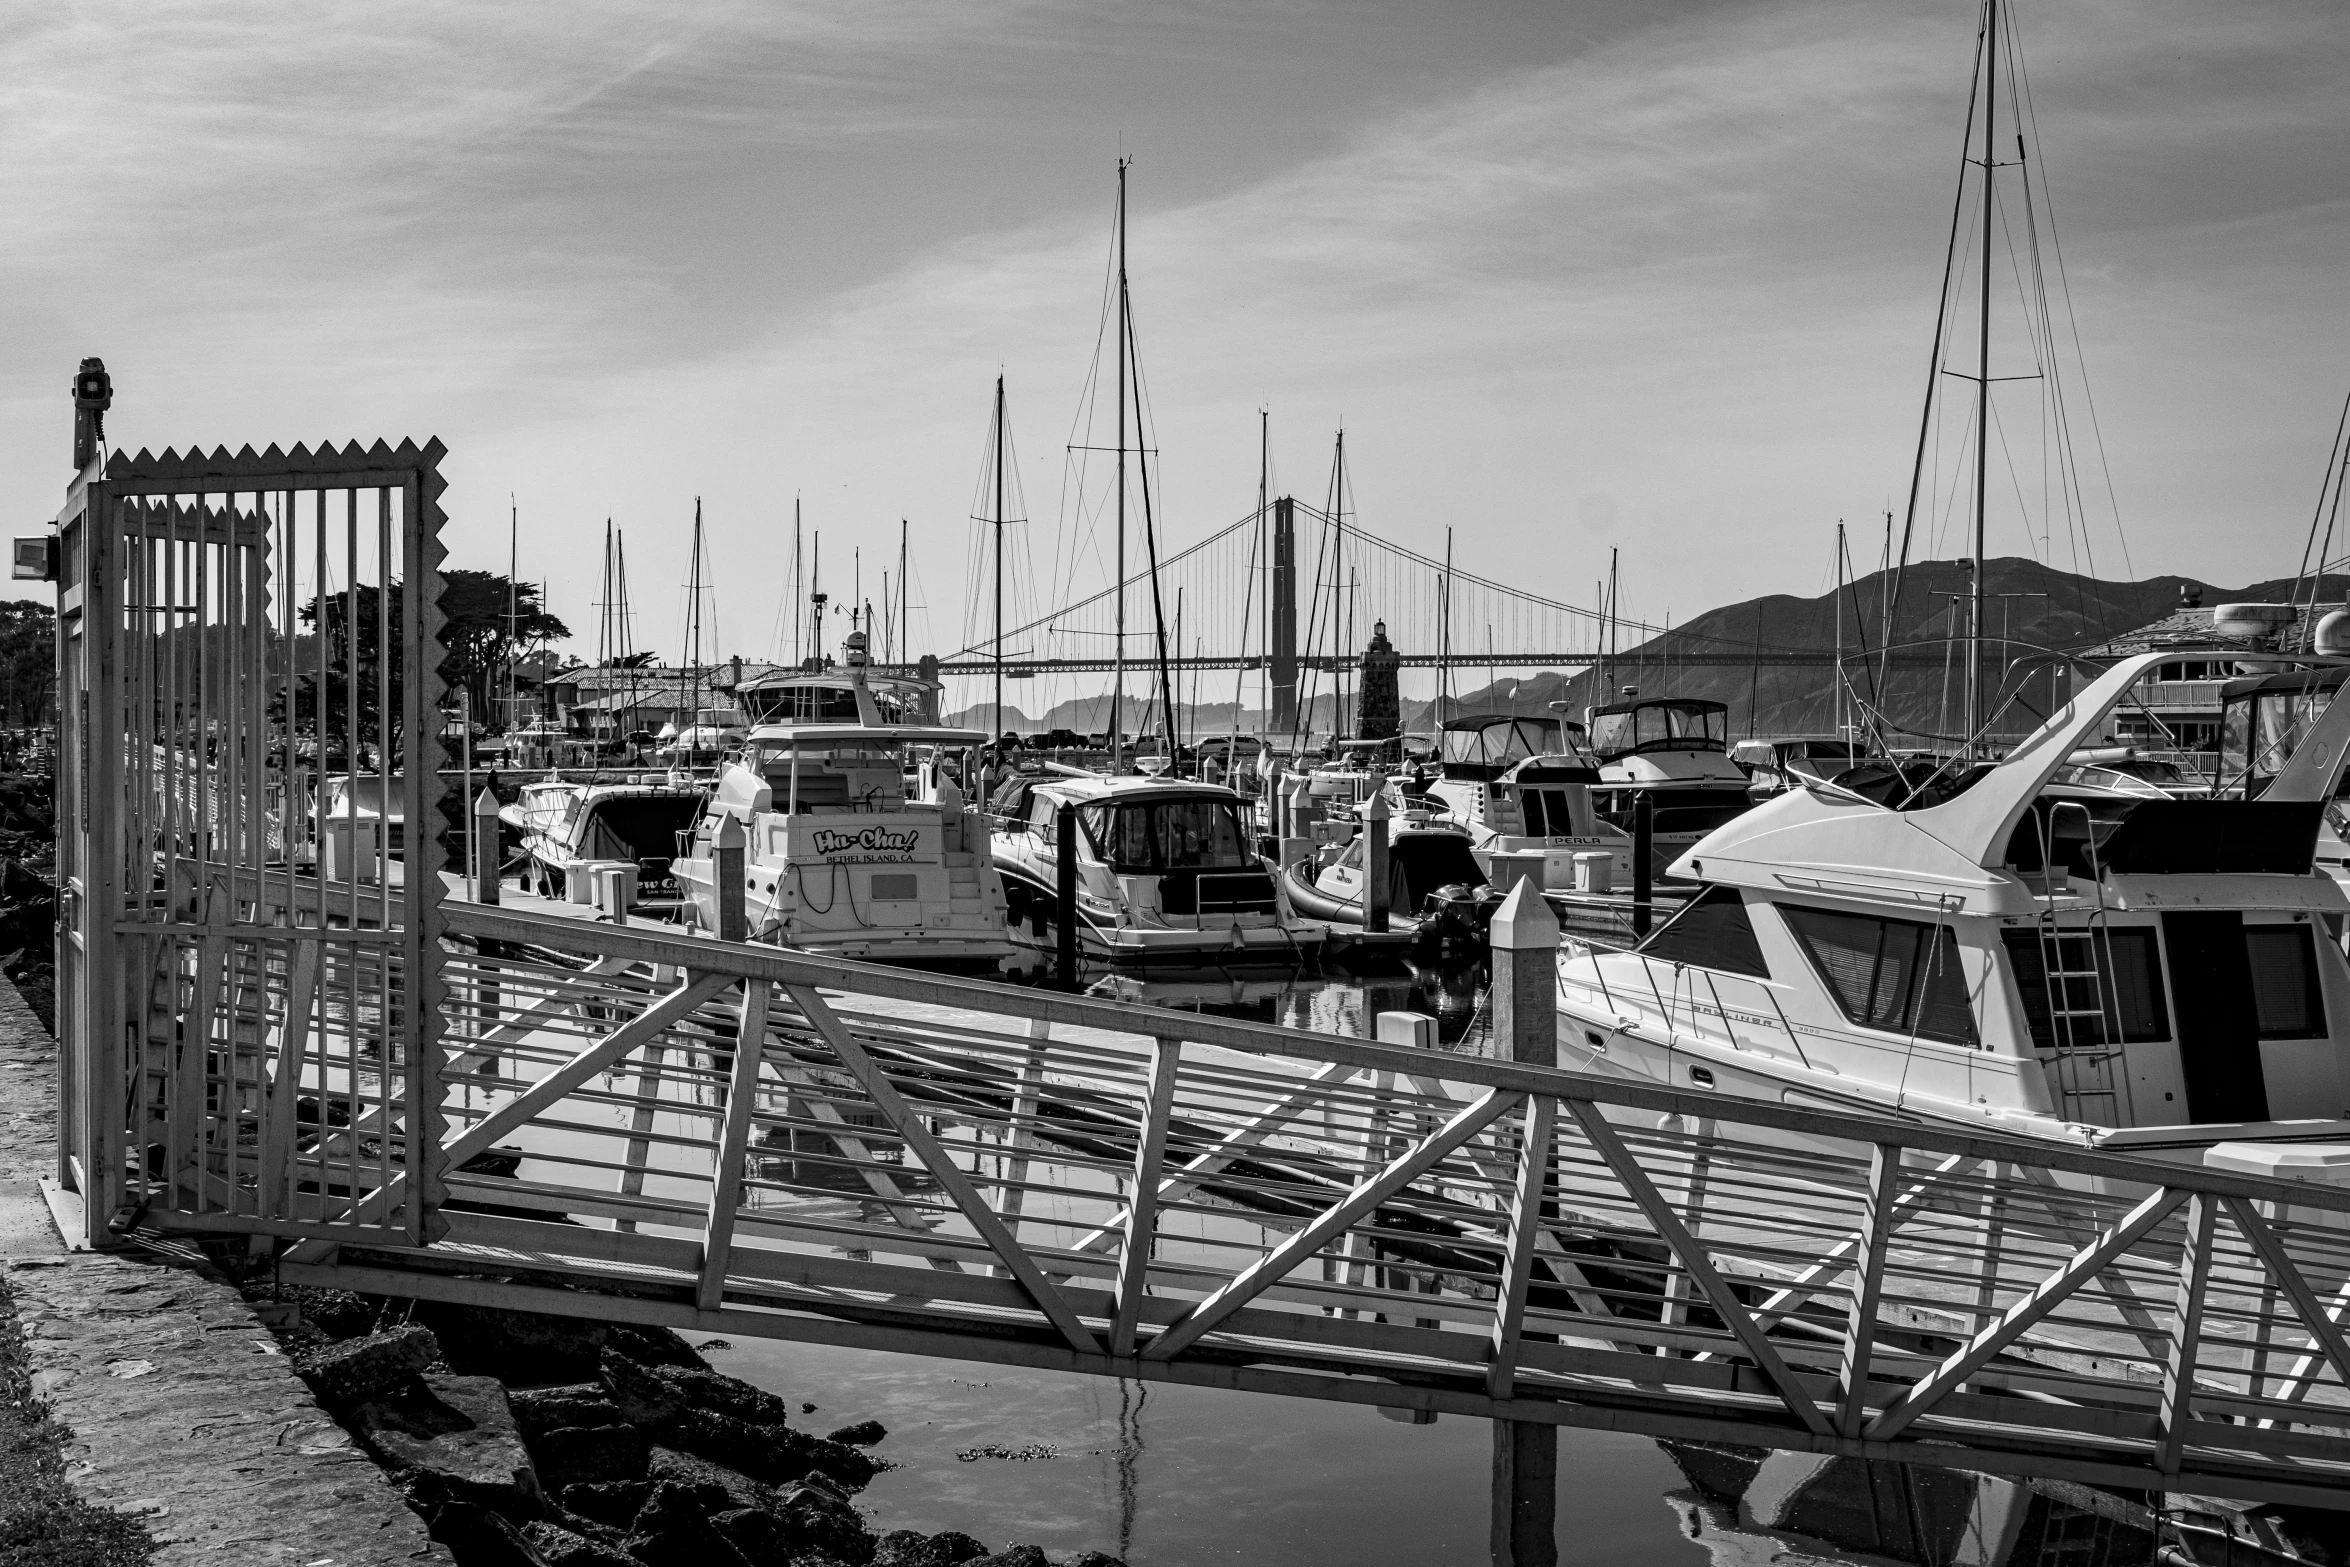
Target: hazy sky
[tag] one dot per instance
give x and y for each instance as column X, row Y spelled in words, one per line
column 1656, row 275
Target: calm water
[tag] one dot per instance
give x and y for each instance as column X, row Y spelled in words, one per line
column 1165, row 1475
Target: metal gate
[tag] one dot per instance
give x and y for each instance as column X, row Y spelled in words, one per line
column 248, row 986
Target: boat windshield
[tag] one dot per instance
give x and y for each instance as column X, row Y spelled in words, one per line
column 1168, row 835
column 1660, row 726
column 2259, row 731
column 775, row 756
column 1503, row 741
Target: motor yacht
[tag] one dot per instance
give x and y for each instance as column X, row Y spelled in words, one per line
column 1674, row 752
column 1775, row 765
column 1982, row 946
column 859, row 844
column 714, row 734
column 1523, row 783
column 1167, row 872
column 567, row 827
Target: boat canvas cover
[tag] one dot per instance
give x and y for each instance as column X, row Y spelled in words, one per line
column 639, row 827
column 1483, row 747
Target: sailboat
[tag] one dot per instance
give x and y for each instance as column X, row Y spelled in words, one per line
column 1167, row 869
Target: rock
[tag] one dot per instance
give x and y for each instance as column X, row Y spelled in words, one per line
column 523, row 1348
column 363, row 1368
column 642, row 1398
column 906, row 1548
column 542, row 1409
column 863, row 1433
column 1094, row 1559
column 673, row 1530
column 479, row 1536
column 652, row 1346
column 718, row 1488
column 817, row 1517
column 614, row 1503
column 457, row 1435
column 588, row 1455
column 561, row 1547
column 1013, row 1556
column 707, row 1389
column 339, row 1314
column 759, row 1535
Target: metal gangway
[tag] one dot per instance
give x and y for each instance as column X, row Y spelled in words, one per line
column 388, row 1088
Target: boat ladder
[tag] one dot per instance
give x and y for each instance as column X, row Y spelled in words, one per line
column 2089, row 1077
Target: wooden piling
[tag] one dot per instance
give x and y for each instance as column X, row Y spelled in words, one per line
column 1375, row 818
column 1524, row 1007
column 1065, row 895
column 485, row 847
column 1643, row 859
column 726, row 876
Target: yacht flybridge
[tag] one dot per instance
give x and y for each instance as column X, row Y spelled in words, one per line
column 1520, row 782
column 2123, row 970
column 1166, row 872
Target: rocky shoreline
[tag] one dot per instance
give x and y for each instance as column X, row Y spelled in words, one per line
column 525, row 1440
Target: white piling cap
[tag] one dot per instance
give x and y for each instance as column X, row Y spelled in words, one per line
column 485, row 803
column 1524, row 922
column 731, row 834
column 1378, row 810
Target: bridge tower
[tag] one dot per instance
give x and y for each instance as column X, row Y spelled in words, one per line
column 1284, row 612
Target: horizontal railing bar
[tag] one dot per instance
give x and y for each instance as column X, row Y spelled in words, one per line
column 779, row 966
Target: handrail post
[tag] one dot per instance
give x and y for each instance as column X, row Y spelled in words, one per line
column 1065, row 896
column 1524, row 1008
column 726, row 875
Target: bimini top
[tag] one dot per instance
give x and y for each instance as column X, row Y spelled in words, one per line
column 1662, row 723
column 1951, row 849
column 1485, row 745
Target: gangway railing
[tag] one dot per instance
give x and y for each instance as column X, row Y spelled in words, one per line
column 648, row 1126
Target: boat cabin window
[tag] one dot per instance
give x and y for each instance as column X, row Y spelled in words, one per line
column 1550, row 813
column 1043, row 814
column 2261, row 728
column 1165, row 835
column 850, row 774
column 2107, row 988
column 1711, row 931
column 2285, row 989
column 1897, row 975
column 1666, row 725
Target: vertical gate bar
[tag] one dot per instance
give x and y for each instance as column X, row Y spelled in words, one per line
column 278, row 1130
column 351, row 738
column 387, row 1034
column 734, row 1140
column 172, row 709
column 1142, row 1208
column 1868, row 1280
column 202, row 751
column 420, row 947
column 2178, row 1370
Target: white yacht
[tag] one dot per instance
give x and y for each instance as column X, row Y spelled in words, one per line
column 1432, row 873
column 1519, row 783
column 714, row 734
column 1166, row 872
column 1979, row 948
column 858, row 845
column 1674, row 751
column 568, row 826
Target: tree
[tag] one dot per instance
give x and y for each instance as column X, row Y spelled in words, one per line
column 478, row 635
column 28, row 663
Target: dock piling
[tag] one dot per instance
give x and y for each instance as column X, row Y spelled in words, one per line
column 726, row 874
column 1065, row 896
column 1524, row 1010
column 1643, row 860
column 485, row 847
column 1375, row 889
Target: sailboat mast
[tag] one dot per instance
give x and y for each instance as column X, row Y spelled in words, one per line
column 513, row 601
column 1118, row 640
column 1444, row 632
column 1839, row 687
column 1264, row 555
column 798, row 583
column 1974, row 635
column 999, row 554
column 897, row 644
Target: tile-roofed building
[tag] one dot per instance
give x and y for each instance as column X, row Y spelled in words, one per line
column 2179, row 703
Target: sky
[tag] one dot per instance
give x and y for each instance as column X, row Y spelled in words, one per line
column 1657, row 276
